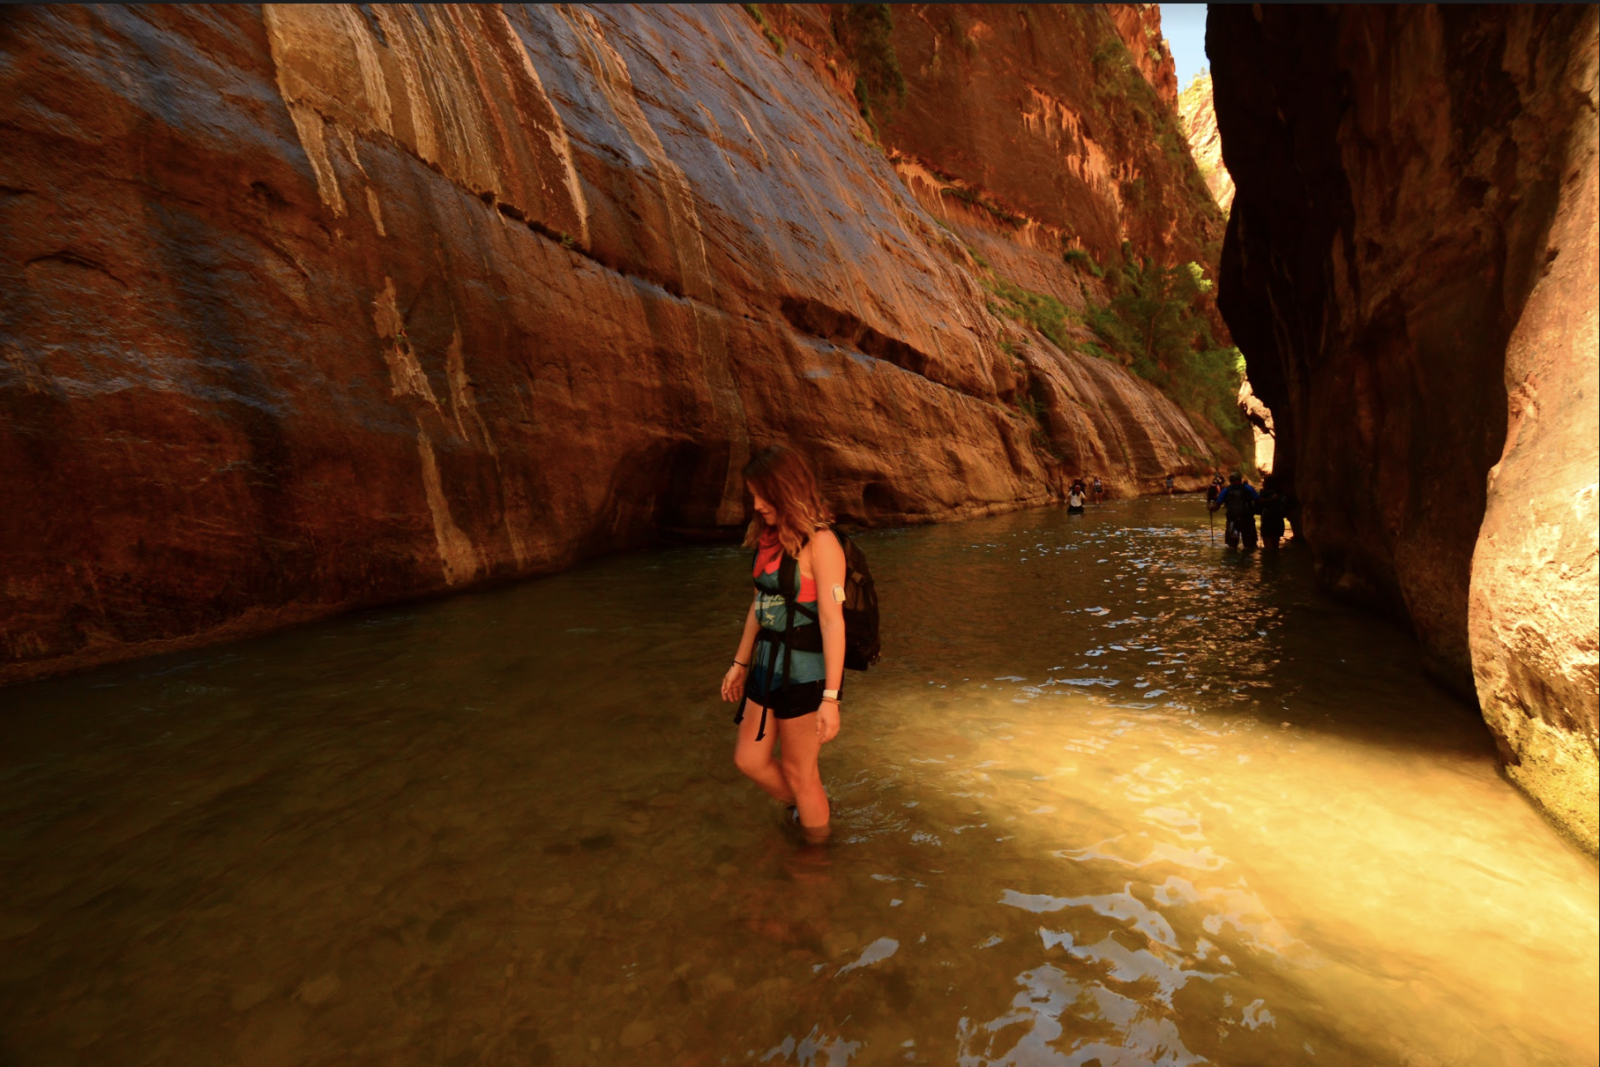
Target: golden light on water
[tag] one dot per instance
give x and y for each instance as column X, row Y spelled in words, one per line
column 1113, row 794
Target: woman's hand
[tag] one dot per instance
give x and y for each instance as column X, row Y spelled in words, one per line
column 827, row 721
column 733, row 684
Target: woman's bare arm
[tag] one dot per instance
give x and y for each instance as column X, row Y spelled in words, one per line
column 733, row 680
column 747, row 642
column 827, row 564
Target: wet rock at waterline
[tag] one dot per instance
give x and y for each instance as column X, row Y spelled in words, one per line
column 1413, row 239
column 1531, row 622
column 309, row 307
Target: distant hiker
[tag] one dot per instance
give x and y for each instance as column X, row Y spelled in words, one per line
column 1078, row 486
column 1238, row 500
column 796, row 646
column 1213, row 491
column 1169, row 484
column 1273, row 507
column 1099, row 490
column 1075, row 500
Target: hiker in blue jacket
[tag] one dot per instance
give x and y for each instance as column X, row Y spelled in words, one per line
column 1238, row 500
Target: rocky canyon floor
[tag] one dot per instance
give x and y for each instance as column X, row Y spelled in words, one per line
column 1115, row 795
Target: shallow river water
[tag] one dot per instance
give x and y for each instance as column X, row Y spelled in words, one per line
column 1114, row 796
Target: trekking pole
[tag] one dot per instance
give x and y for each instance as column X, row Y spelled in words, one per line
column 1213, row 526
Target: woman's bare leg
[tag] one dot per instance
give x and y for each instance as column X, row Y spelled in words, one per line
column 800, row 751
column 755, row 758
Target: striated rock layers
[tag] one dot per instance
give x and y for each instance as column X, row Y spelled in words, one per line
column 311, row 307
column 1410, row 270
column 1030, row 132
column 1046, row 116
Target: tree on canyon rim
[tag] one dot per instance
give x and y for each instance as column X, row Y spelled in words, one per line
column 1156, row 325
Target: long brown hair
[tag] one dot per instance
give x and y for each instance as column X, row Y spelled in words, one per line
column 784, row 479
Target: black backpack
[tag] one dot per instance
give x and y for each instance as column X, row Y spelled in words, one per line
column 1238, row 504
column 861, row 645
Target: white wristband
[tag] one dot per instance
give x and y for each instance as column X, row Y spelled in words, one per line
column 830, row 694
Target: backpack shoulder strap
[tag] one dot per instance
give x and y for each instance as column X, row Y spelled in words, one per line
column 787, row 565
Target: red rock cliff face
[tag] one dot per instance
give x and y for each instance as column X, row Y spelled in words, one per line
column 311, row 307
column 1044, row 111
column 1413, row 239
column 1139, row 27
column 1029, row 130
column 1205, row 143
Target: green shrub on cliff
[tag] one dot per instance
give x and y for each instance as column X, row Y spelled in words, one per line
column 866, row 33
column 1111, row 59
column 1118, row 80
column 983, row 203
column 773, row 37
column 1156, row 325
column 1173, row 146
column 1208, row 381
column 1040, row 310
column 960, row 31
column 1116, row 76
column 1078, row 257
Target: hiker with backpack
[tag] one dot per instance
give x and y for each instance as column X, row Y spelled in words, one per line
column 1238, row 499
column 790, row 664
column 1273, row 507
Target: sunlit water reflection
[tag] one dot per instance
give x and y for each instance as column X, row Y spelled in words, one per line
column 1114, row 796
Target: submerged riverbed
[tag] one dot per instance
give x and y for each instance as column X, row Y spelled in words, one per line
column 1114, row 795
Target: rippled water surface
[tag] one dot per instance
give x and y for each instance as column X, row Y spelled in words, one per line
column 1114, row 796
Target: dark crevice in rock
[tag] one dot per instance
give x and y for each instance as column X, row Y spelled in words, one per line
column 571, row 244
column 668, row 490
column 844, row 329
column 76, row 259
column 262, row 191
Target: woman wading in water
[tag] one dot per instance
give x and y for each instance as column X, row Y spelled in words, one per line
column 789, row 691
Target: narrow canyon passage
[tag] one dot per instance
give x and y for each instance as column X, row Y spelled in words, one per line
column 1113, row 796
column 358, row 361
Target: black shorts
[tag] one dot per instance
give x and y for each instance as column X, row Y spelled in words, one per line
column 786, row 702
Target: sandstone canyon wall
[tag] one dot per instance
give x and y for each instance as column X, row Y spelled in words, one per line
column 1410, row 269
column 1040, row 125
column 1034, row 134
column 1205, row 142
column 304, row 308
column 1139, row 27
